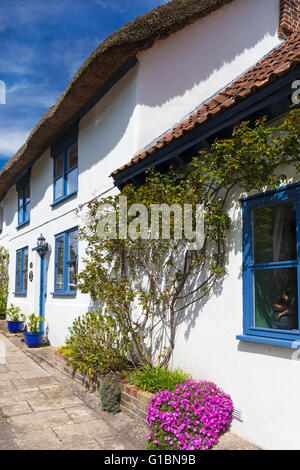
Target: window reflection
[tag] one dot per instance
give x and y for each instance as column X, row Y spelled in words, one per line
column 274, row 230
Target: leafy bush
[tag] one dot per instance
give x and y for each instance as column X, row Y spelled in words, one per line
column 191, row 418
column 13, row 313
column 110, row 394
column 63, row 350
column 96, row 344
column 4, row 260
column 33, row 323
column 155, row 379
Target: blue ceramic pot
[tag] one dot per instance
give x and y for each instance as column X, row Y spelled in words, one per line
column 15, row 326
column 33, row 340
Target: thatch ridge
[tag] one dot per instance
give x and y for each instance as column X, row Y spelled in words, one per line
column 106, row 59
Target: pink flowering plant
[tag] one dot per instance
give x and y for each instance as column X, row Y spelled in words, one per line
column 190, row 418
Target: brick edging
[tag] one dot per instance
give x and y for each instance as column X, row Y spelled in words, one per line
column 134, row 402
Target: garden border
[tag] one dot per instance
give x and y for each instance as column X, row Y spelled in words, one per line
column 134, row 402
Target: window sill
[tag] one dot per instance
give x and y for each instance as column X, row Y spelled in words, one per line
column 22, row 224
column 64, row 294
column 63, row 198
column 20, row 293
column 285, row 343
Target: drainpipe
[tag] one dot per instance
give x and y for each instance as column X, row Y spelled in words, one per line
column 42, row 249
column 41, row 309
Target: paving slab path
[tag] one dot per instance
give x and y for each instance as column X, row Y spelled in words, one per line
column 42, row 409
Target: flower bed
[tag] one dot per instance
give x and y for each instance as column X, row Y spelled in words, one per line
column 134, row 402
column 191, row 418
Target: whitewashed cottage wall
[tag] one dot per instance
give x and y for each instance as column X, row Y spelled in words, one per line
column 170, row 80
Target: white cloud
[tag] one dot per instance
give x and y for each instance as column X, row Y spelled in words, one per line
column 110, row 5
column 28, row 13
column 17, row 58
column 28, row 93
column 11, row 140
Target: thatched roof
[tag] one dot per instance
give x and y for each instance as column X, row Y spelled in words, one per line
column 100, row 66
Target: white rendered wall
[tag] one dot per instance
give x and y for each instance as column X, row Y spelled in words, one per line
column 172, row 78
column 107, row 137
column 59, row 312
column 179, row 73
column 105, row 141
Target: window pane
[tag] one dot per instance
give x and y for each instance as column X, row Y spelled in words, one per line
column 58, row 166
column 24, row 281
column 59, row 277
column 73, row 155
column 72, row 276
column 58, row 190
column 26, row 212
column 274, row 230
column 27, row 193
column 20, row 198
column 59, row 250
column 72, row 181
column 276, row 302
column 18, row 281
column 18, row 260
column 73, row 245
column 25, row 258
column 20, row 215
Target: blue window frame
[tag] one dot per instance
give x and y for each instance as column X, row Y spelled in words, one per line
column 65, row 178
column 21, row 271
column 24, row 204
column 271, row 267
column 66, row 261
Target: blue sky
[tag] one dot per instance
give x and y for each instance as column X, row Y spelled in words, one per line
column 43, row 43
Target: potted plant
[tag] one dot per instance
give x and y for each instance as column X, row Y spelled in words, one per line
column 15, row 319
column 33, row 336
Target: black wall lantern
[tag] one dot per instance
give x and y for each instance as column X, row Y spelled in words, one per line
column 42, row 246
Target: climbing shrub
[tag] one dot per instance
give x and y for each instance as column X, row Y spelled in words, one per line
column 150, row 285
column 4, row 260
column 96, row 344
column 190, row 418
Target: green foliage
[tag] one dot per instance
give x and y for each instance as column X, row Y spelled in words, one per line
column 4, row 260
column 13, row 313
column 149, row 285
column 161, row 438
column 96, row 344
column 110, row 394
column 33, row 323
column 155, row 379
column 63, row 350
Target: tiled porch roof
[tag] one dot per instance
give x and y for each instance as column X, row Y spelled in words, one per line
column 271, row 67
